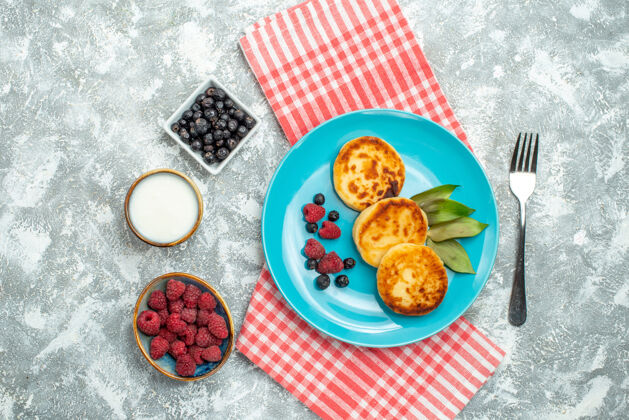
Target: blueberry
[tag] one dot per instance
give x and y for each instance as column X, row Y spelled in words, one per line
column 249, row 122
column 226, row 134
column 311, row 227
column 193, row 131
column 196, row 145
column 209, row 158
column 217, row 134
column 231, row 111
column 239, row 115
column 209, row 148
column 311, row 264
column 175, row 127
column 210, row 91
column 349, row 263
column 341, row 281
column 218, row 94
column 222, row 153
column 319, row 199
column 202, row 126
column 195, row 107
column 232, row 125
column 184, row 135
column 228, row 103
column 232, row 143
column 197, row 115
column 182, row 123
column 200, row 98
column 242, row 131
column 207, row 103
column 224, row 116
column 210, row 114
column 187, row 115
column 220, row 124
column 220, row 107
column 333, row 216
column 323, row 281
column 208, row 138
column 219, row 143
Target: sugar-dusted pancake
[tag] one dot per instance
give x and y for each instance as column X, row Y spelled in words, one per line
column 387, row 223
column 412, row 279
column 366, row 170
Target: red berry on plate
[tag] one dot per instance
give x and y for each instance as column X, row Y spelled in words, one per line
column 189, row 315
column 185, row 365
column 174, row 289
column 217, row 326
column 195, row 351
column 329, row 230
column 163, row 316
column 177, row 349
column 191, row 296
column 203, row 337
column 330, row 263
column 203, row 317
column 175, row 324
column 206, row 301
column 313, row 213
column 168, row 335
column 314, row 249
column 159, row 347
column 212, row 354
column 157, row 300
column 148, row 322
column 175, row 306
column 189, row 334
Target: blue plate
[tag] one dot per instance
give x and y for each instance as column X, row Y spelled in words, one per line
column 356, row 314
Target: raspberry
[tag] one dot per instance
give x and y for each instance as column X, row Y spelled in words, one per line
column 163, row 316
column 157, row 300
column 212, row 354
column 159, row 347
column 175, row 324
column 330, row 263
column 314, row 249
column 215, row 341
column 203, row 337
column 185, row 365
column 175, row 306
column 195, row 352
column 207, row 301
column 174, row 289
column 313, row 213
column 329, row 230
column 189, row 315
column 188, row 335
column 191, row 296
column 169, row 336
column 217, row 326
column 177, row 349
column 203, row 316
column 148, row 322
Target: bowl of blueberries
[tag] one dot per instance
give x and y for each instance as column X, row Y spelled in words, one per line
column 211, row 125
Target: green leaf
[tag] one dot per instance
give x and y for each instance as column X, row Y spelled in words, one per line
column 442, row 210
column 442, row 191
column 463, row 227
column 453, row 255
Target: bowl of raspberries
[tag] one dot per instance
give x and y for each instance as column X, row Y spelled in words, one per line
column 183, row 327
column 211, row 125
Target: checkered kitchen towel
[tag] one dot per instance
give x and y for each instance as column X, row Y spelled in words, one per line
column 314, row 61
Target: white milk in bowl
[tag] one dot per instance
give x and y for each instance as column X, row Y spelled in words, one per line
column 163, row 208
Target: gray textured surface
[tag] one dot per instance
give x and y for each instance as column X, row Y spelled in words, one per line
column 83, row 86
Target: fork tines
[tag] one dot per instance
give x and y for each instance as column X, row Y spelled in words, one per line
column 525, row 154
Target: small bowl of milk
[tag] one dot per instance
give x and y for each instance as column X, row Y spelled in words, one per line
column 163, row 207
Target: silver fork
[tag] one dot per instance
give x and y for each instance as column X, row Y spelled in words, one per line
column 522, row 183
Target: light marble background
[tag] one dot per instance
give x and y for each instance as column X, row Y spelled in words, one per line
column 83, row 87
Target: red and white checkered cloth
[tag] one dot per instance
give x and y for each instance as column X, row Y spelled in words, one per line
column 314, row 61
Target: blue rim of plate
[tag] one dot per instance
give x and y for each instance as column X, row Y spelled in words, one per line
column 464, row 148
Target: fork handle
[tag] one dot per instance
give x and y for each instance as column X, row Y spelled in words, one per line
column 517, row 304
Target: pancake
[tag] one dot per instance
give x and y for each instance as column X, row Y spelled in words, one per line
column 387, row 223
column 412, row 279
column 366, row 170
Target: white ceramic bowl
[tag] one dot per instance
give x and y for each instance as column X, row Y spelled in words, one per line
column 214, row 169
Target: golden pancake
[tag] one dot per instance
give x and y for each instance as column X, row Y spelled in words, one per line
column 366, row 170
column 387, row 223
column 412, row 279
